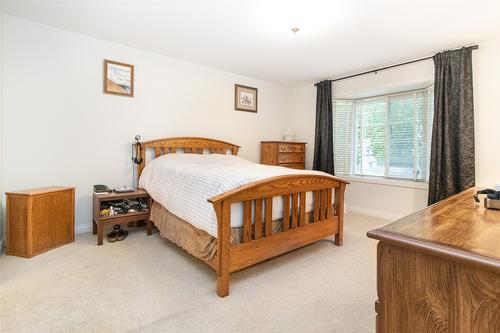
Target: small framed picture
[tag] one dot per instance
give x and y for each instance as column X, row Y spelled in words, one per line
column 118, row 78
column 245, row 98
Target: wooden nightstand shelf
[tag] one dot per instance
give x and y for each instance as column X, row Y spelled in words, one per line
column 100, row 222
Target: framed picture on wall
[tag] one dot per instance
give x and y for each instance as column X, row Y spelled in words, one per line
column 245, row 98
column 118, row 78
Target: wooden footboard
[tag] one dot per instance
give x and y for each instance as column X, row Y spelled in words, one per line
column 259, row 242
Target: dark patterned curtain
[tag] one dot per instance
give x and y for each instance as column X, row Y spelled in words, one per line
column 452, row 166
column 323, row 140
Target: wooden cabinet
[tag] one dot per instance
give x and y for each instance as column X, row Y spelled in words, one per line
column 283, row 153
column 39, row 220
column 438, row 270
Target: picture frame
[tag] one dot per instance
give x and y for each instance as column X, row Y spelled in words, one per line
column 245, row 98
column 118, row 78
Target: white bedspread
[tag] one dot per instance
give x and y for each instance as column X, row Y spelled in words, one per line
column 182, row 183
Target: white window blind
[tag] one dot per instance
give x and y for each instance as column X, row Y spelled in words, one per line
column 384, row 136
column 343, row 121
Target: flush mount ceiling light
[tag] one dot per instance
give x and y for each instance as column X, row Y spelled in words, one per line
column 275, row 16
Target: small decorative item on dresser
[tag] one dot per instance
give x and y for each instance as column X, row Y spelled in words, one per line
column 39, row 220
column 282, row 153
column 119, row 208
column 289, row 135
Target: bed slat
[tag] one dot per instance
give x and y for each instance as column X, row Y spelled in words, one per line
column 302, row 214
column 295, row 209
column 329, row 210
column 269, row 216
column 157, row 152
column 258, row 218
column 286, row 212
column 322, row 210
column 247, row 221
column 316, row 206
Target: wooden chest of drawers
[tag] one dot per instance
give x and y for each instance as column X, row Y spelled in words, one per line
column 39, row 220
column 438, row 270
column 283, row 153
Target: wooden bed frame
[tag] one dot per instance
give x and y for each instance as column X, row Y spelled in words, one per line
column 259, row 243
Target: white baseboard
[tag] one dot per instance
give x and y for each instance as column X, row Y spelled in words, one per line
column 83, row 229
column 79, row 229
column 374, row 213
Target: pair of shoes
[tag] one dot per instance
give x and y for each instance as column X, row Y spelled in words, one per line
column 118, row 234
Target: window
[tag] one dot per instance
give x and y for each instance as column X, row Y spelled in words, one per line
column 384, row 136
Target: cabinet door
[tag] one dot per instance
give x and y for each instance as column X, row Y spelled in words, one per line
column 61, row 213
column 41, row 223
column 17, row 230
column 268, row 154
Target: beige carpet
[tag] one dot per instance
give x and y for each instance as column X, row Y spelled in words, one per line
column 146, row 284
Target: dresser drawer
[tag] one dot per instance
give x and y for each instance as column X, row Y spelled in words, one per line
column 291, row 148
column 300, row 166
column 290, row 158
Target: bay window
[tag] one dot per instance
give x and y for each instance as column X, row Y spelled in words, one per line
column 384, row 136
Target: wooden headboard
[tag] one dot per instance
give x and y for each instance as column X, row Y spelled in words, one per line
column 187, row 144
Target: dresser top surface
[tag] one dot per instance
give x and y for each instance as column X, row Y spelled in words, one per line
column 286, row 142
column 458, row 223
column 40, row 190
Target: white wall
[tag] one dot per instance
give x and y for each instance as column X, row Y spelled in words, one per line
column 60, row 129
column 486, row 62
column 400, row 198
column 1, row 131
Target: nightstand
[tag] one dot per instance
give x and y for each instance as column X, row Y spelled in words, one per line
column 102, row 221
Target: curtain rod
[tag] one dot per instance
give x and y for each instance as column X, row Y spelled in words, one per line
column 473, row 47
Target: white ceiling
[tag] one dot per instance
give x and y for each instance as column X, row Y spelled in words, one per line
column 253, row 37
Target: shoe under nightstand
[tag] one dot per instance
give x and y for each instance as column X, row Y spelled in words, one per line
column 101, row 221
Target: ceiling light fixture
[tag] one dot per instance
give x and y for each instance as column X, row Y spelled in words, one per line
column 295, row 30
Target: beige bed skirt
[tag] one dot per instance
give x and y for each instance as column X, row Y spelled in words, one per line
column 195, row 241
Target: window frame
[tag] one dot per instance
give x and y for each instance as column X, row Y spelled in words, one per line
column 427, row 135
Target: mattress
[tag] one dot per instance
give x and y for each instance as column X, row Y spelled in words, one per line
column 182, row 183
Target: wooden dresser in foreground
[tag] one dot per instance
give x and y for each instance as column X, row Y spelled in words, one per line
column 39, row 220
column 283, row 153
column 439, row 269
